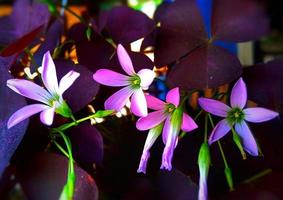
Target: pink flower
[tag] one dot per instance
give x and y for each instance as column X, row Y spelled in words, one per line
column 168, row 117
column 134, row 84
column 236, row 116
column 51, row 98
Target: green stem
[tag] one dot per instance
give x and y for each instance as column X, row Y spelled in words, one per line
column 227, row 170
column 199, row 113
column 257, row 176
column 61, row 148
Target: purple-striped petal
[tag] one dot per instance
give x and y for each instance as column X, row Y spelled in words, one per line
column 49, row 76
column 173, row 96
column 170, row 137
column 188, row 124
column 219, row 131
column 259, row 114
column 239, row 94
column 25, row 113
column 67, row 80
column 151, row 120
column 119, row 99
column 47, row 116
column 214, row 107
column 247, row 137
column 125, row 60
column 146, row 76
column 29, row 89
column 138, row 103
column 110, row 78
column 151, row 138
column 154, row 103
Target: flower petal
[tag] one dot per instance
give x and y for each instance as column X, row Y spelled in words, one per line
column 154, row 103
column 151, row 138
column 47, row 116
column 125, row 60
column 49, row 76
column 29, row 89
column 110, row 78
column 188, row 124
column 170, row 137
column 138, row 103
column 119, row 99
column 214, row 107
column 247, row 137
column 259, row 114
column 24, row 113
column 146, row 76
column 239, row 94
column 151, row 120
column 219, row 131
column 173, row 96
column 67, row 80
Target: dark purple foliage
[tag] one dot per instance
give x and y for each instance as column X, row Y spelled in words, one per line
column 205, row 67
column 26, row 16
column 84, row 88
column 126, row 25
column 10, row 102
column 44, row 176
column 238, row 21
column 264, row 82
column 87, row 144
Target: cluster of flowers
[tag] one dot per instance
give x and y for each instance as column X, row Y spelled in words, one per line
column 168, row 117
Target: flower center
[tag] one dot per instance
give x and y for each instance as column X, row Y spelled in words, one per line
column 235, row 115
column 135, row 81
column 169, row 108
column 52, row 101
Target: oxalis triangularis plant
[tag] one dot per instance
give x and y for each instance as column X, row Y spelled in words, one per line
column 187, row 53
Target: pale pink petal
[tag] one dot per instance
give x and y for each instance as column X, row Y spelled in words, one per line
column 125, row 60
column 247, row 137
column 119, row 99
column 47, row 116
column 154, row 103
column 170, row 137
column 173, row 96
column 49, row 76
column 67, row 81
column 29, row 89
column 110, row 78
column 25, row 113
column 151, row 120
column 259, row 114
column 146, row 76
column 138, row 103
column 188, row 124
column 239, row 94
column 151, row 138
column 219, row 131
column 214, row 107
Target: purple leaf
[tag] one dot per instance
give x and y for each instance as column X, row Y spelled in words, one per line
column 93, row 54
column 87, row 144
column 206, row 67
column 10, row 102
column 175, row 185
column 46, row 173
column 26, row 16
column 181, row 31
column 126, row 25
column 264, row 83
column 84, row 88
column 20, row 44
column 239, row 21
column 52, row 38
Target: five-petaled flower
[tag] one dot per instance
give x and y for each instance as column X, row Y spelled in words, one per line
column 168, row 116
column 236, row 116
column 51, row 98
column 134, row 84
